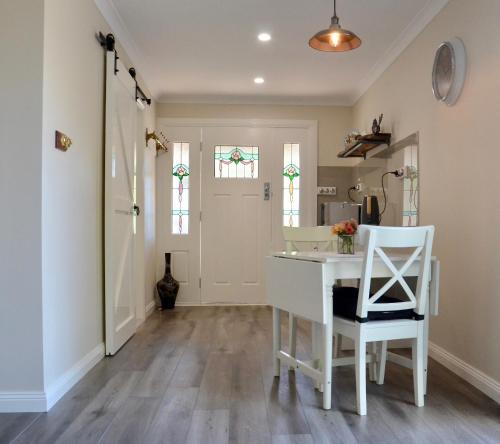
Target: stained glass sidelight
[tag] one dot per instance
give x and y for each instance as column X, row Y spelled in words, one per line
column 291, row 184
column 236, row 162
column 180, row 188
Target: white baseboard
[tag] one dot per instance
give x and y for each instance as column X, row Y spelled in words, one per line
column 67, row 380
column 150, row 308
column 472, row 375
column 38, row 401
column 21, row 402
column 217, row 304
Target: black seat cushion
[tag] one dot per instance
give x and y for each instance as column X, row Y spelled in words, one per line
column 345, row 303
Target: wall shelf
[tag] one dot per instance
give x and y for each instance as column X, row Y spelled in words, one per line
column 364, row 144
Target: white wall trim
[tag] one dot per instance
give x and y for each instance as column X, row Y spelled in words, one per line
column 256, row 100
column 410, row 33
column 69, row 378
column 472, row 375
column 21, row 402
column 218, row 304
column 150, row 308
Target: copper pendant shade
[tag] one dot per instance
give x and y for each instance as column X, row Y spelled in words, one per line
column 335, row 39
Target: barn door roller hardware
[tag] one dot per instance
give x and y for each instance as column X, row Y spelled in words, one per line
column 108, row 43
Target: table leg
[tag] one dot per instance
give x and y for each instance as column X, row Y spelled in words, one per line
column 327, row 364
column 276, row 340
column 292, row 336
column 316, row 350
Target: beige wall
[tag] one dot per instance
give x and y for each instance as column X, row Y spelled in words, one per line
column 72, row 184
column 21, row 53
column 333, row 122
column 74, row 82
column 458, row 172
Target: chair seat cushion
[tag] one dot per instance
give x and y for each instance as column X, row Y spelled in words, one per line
column 345, row 303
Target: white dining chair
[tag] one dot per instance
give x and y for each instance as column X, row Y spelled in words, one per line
column 297, row 239
column 366, row 317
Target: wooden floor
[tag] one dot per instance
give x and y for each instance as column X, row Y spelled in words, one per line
column 204, row 375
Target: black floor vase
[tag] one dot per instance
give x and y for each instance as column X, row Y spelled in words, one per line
column 167, row 287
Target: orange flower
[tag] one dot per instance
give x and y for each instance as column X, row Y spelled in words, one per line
column 346, row 227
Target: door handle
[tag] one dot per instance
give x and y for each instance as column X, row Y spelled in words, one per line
column 267, row 190
column 136, row 210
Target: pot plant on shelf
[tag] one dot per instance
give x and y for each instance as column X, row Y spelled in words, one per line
column 345, row 232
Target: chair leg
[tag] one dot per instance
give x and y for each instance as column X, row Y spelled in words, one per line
column 360, row 364
column 337, row 345
column 426, row 346
column 382, row 359
column 276, row 340
column 292, row 335
column 418, row 365
column 372, row 366
column 327, row 364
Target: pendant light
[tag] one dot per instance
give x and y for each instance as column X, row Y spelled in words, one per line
column 335, row 39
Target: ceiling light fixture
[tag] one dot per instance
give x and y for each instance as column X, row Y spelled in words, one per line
column 264, row 37
column 258, row 80
column 335, row 39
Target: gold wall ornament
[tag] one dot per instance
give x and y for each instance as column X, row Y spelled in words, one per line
column 63, row 142
column 160, row 141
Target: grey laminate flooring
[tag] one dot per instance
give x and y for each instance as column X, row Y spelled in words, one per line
column 204, row 375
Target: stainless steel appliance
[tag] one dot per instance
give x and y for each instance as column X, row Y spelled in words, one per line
column 334, row 212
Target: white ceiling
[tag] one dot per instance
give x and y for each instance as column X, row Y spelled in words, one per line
column 207, row 50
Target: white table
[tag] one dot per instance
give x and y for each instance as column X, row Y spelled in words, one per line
column 301, row 283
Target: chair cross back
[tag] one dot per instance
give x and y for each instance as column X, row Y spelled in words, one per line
column 375, row 240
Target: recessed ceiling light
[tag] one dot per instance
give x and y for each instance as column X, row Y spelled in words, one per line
column 258, row 80
column 264, row 37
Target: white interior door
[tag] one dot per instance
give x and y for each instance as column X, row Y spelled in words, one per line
column 236, row 215
column 120, row 143
column 178, row 207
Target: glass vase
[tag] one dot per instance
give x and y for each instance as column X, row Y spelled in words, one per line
column 345, row 244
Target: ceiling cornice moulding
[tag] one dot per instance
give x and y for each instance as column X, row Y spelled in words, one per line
column 253, row 100
column 409, row 34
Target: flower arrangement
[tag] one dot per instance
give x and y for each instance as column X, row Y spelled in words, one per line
column 347, row 227
column 345, row 231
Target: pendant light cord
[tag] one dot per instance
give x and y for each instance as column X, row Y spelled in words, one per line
column 335, row 8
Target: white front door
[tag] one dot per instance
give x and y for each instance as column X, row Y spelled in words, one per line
column 120, row 143
column 236, row 214
column 240, row 224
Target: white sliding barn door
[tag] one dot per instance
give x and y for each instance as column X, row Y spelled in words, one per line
column 120, row 146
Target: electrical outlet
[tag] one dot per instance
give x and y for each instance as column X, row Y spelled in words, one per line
column 400, row 172
column 327, row 191
column 360, row 186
